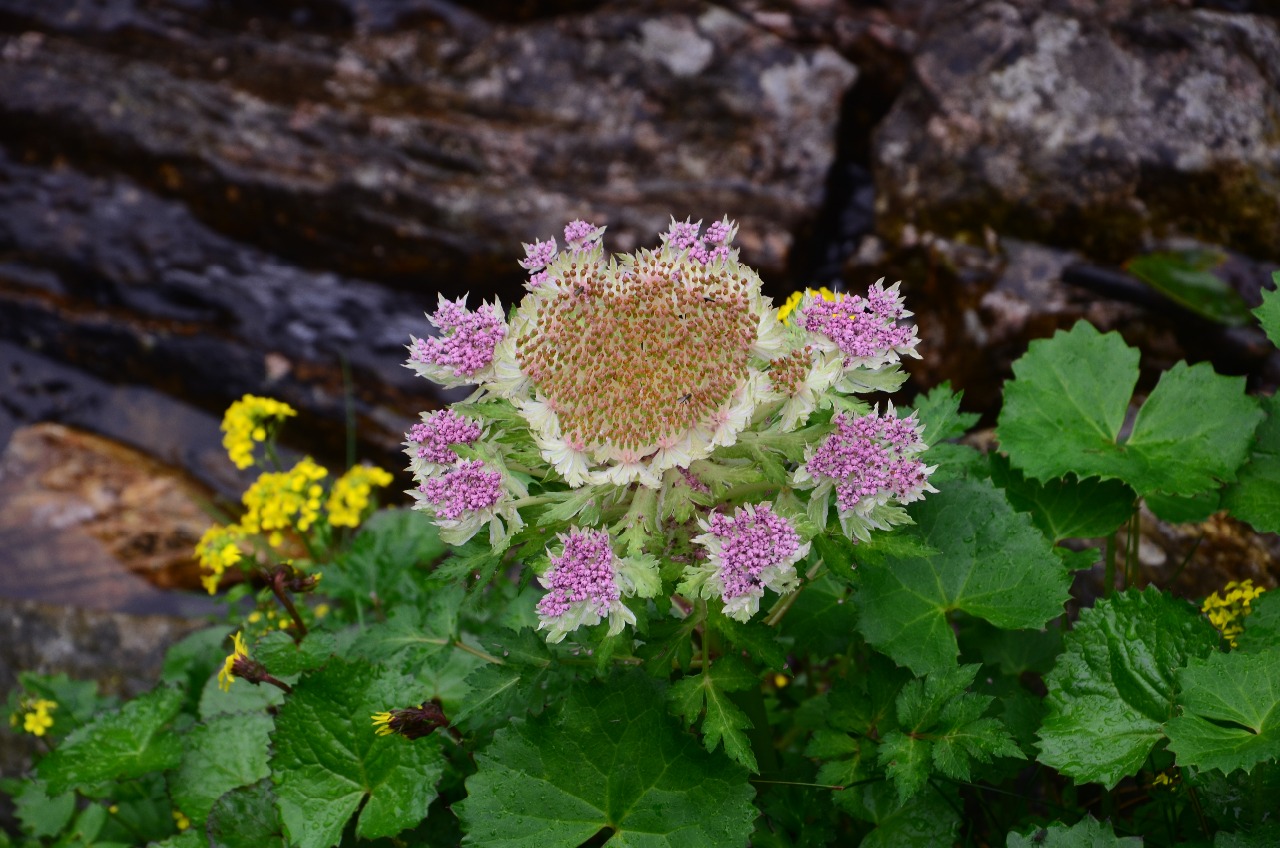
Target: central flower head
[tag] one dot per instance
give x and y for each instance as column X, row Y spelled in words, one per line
column 643, row 362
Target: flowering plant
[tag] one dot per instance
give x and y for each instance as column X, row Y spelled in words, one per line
column 678, row 583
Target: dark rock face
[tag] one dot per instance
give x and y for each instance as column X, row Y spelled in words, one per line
column 425, row 144
column 1089, row 125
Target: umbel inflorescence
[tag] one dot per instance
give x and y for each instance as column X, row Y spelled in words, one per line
column 654, row 413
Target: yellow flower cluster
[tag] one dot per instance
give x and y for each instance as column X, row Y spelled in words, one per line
column 793, row 300
column 248, row 421
column 1227, row 609
column 217, row 550
column 238, row 650
column 279, row 500
column 350, row 494
column 35, row 715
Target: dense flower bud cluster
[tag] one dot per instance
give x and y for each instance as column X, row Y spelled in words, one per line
column 629, row 394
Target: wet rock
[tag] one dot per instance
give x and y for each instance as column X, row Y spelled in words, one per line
column 122, row 652
column 1086, row 125
column 99, row 525
column 423, row 148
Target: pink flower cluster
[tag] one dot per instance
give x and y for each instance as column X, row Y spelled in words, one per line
column 435, row 435
column 750, row 542
column 582, row 574
column 686, row 236
column 468, row 487
column 467, row 339
column 872, row 457
column 862, row 328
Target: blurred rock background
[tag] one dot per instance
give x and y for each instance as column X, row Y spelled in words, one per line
column 202, row 198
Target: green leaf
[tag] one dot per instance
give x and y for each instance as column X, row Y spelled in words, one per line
column 128, row 742
column 993, row 565
column 943, row 730
column 77, row 700
column 246, row 818
column 1261, row 625
column 1113, row 687
column 939, row 411
column 42, row 814
column 186, row 839
column 1066, row 508
column 327, row 760
column 822, row 619
column 757, row 639
column 1255, row 496
column 1230, row 711
column 227, row 752
column 1177, row 509
column 190, row 661
column 1187, row 277
column 382, row 564
column 277, row 651
column 1268, row 313
column 926, row 821
column 608, row 757
column 1086, row 833
column 1072, row 392
column 242, row 697
column 723, row 721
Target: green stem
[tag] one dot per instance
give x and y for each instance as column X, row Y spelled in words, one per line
column 1109, row 575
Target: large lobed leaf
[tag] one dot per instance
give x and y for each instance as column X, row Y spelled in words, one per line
column 1230, row 711
column 724, row 721
column 992, row 564
column 1114, row 685
column 610, row 759
column 942, row 730
column 225, row 753
column 1086, row 833
column 1071, row 392
column 124, row 743
column 1255, row 496
column 328, row 761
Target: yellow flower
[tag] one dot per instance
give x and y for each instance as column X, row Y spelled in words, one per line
column 248, row 421
column 321, row 610
column 217, row 550
column 282, row 500
column 180, row 820
column 350, row 494
column 382, row 723
column 1227, row 609
column 238, row 651
column 793, row 300
column 37, row 720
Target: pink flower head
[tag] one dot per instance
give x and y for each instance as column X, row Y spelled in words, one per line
column 538, row 255
column 863, row 328
column 579, row 235
column 872, row 460
column 687, row 237
column 431, row 440
column 582, row 586
column 466, row 343
column 754, row 549
column 469, row 488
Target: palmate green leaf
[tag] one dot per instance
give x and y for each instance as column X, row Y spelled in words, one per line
column 225, row 753
column 608, row 757
column 522, row 683
column 822, row 619
column 1066, row 508
column 385, row 560
column 926, row 821
column 124, row 743
column 40, row 813
column 1268, row 313
column 1086, row 833
column 756, row 638
column 1187, row 277
column 283, row 658
column 1072, row 392
column 993, row 564
column 723, row 721
column 943, row 730
column 939, row 412
column 246, row 818
column 1230, row 711
column 328, row 761
column 1113, row 687
column 1255, row 496
column 1261, row 625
